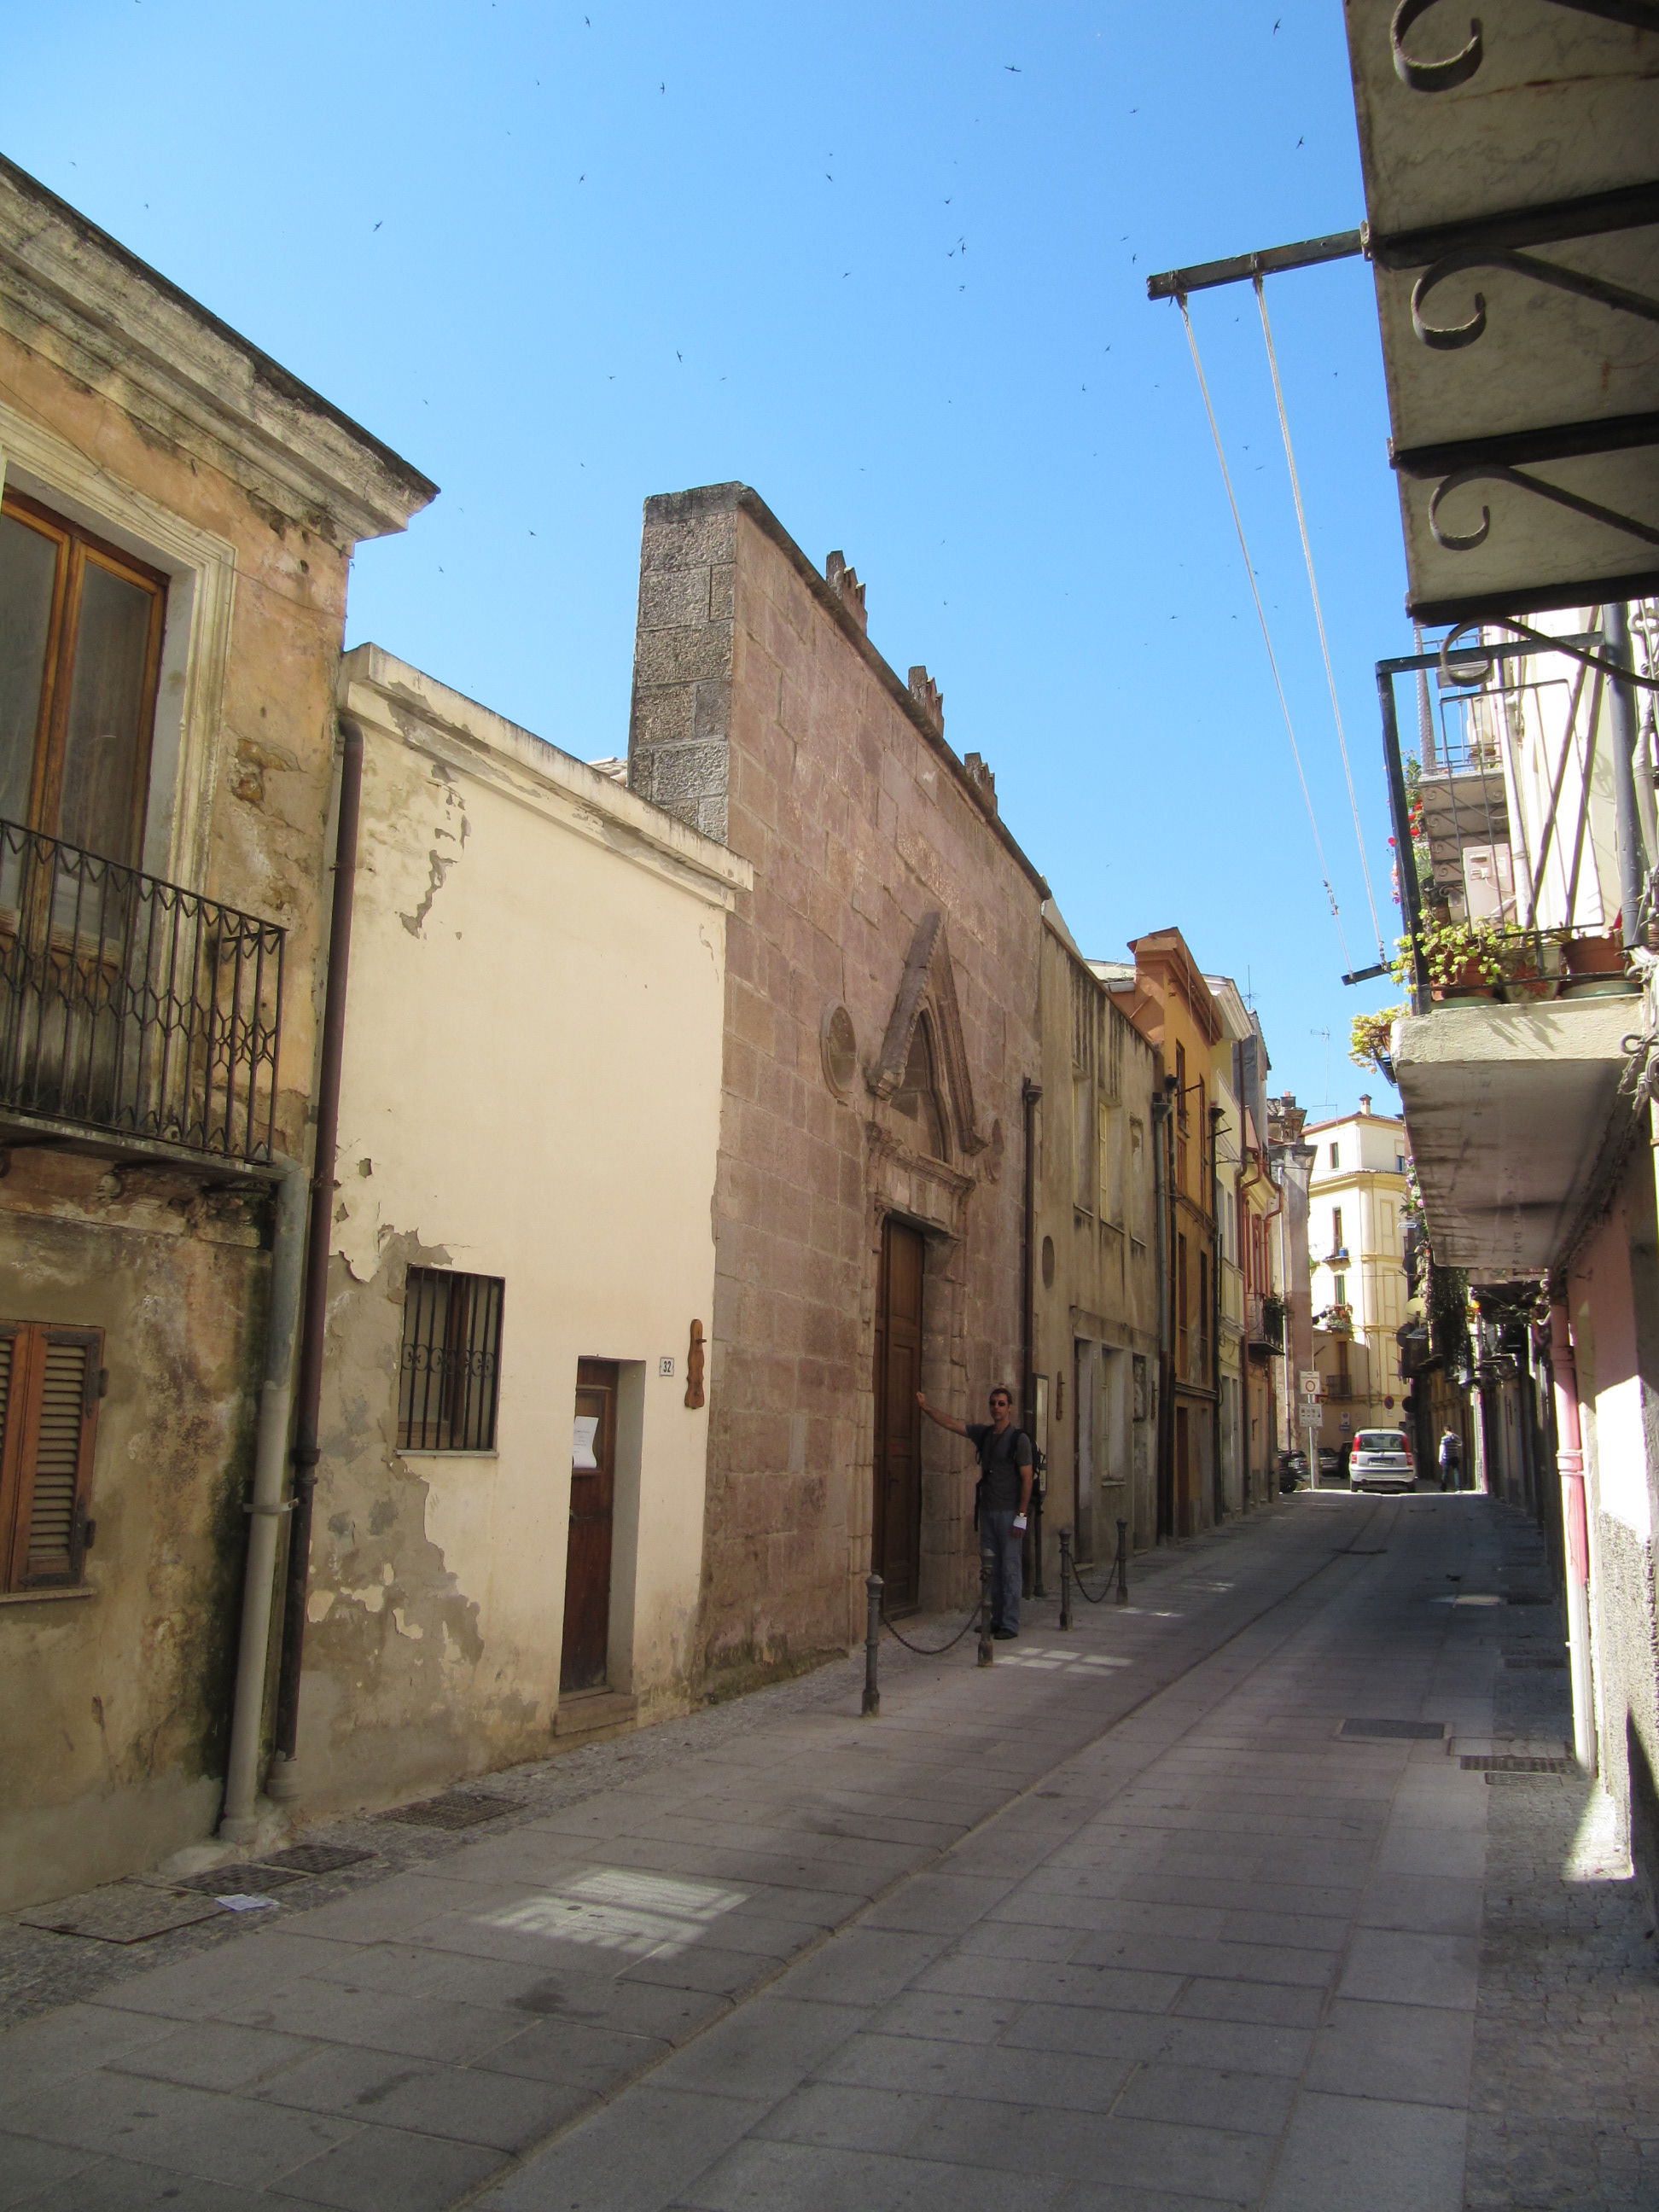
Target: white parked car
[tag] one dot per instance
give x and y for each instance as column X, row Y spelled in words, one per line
column 1380, row 1460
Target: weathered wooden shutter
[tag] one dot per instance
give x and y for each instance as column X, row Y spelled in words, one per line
column 52, row 1379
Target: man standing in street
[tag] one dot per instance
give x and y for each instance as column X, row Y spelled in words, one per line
column 1005, row 1497
column 1451, row 1461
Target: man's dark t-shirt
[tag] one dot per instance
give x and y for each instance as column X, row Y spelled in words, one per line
column 1000, row 1459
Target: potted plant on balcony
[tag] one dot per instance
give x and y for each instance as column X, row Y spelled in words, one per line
column 1531, row 966
column 1463, row 960
column 1595, row 962
column 1370, row 1037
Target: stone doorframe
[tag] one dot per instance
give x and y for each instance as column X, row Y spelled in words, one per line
column 932, row 1198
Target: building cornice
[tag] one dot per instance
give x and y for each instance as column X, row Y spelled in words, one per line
column 79, row 298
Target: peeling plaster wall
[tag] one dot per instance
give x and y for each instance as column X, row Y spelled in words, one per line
column 114, row 1700
column 531, row 1090
column 123, row 406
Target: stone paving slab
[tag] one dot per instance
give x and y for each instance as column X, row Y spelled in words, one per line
column 1066, row 1936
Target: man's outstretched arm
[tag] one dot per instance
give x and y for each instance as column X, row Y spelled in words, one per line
column 944, row 1420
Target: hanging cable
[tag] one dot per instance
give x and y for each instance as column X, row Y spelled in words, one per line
column 1319, row 612
column 1266, row 637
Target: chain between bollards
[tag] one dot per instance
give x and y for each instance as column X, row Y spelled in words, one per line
column 986, row 1653
column 1065, row 1577
column 873, row 1587
column 1123, row 1563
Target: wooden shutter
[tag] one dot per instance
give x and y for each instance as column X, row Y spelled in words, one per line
column 53, row 1381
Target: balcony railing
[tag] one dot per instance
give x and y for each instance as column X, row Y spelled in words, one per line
column 1265, row 1325
column 130, row 1006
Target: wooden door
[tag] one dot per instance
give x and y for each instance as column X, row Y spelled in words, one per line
column 593, row 1502
column 1183, row 1473
column 896, row 1552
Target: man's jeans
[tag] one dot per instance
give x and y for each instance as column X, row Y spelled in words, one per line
column 1004, row 1546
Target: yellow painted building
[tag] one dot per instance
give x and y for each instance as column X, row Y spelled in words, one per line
column 1356, row 1239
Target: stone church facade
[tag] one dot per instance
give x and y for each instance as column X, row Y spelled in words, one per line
column 880, row 1027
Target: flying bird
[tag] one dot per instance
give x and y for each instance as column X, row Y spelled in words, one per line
column 378, row 224
column 1013, row 70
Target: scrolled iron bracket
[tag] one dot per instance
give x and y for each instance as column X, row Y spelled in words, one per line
column 1465, row 541
column 1443, row 75
column 1446, row 75
column 1448, row 338
column 1542, row 639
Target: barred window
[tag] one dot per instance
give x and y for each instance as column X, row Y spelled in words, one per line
column 450, row 1375
column 50, row 1380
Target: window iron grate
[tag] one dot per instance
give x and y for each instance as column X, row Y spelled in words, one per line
column 450, row 1374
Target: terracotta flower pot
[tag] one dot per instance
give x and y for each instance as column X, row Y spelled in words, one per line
column 1594, row 956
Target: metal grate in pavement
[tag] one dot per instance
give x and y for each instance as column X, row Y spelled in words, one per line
column 1512, row 1763
column 234, row 1881
column 1396, row 1731
column 121, row 1912
column 315, row 1858
column 455, row 1809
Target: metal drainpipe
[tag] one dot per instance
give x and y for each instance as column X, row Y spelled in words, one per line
column 281, row 1782
column 1164, row 1520
column 1621, row 713
column 1217, row 1114
column 266, row 1509
column 1031, row 1098
column 1575, row 1529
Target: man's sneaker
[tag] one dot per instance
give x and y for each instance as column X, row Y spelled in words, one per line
column 1005, row 1634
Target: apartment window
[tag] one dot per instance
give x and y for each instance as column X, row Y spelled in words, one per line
column 1338, row 1290
column 1336, row 1157
column 79, row 648
column 1399, row 1164
column 450, row 1375
column 50, row 1380
column 1337, row 1245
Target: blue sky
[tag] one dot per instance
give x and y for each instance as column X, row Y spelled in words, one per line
column 888, row 266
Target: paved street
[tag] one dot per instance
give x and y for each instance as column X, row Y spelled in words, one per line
column 1135, row 1920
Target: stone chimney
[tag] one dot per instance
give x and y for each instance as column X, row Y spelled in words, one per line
column 928, row 696
column 843, row 582
column 1365, row 1101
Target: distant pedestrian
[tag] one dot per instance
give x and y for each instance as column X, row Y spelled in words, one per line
column 1451, row 1461
column 1003, row 1499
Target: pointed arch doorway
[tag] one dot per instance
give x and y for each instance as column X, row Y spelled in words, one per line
column 895, row 1519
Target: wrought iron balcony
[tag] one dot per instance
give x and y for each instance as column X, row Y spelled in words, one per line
column 1265, row 1325
column 130, row 1007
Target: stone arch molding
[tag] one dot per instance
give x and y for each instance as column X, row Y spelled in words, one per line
column 928, row 985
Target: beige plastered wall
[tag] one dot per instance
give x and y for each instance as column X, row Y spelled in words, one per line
column 531, row 1091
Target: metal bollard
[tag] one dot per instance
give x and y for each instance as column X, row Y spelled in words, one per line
column 1123, row 1563
column 1065, row 1577
column 874, row 1586
column 986, row 1653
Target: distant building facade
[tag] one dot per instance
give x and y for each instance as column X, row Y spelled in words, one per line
column 1095, row 1288
column 1358, row 1194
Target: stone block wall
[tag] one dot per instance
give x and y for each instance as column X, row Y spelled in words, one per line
column 763, row 716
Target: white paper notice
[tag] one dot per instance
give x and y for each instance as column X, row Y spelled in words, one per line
column 582, row 1449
